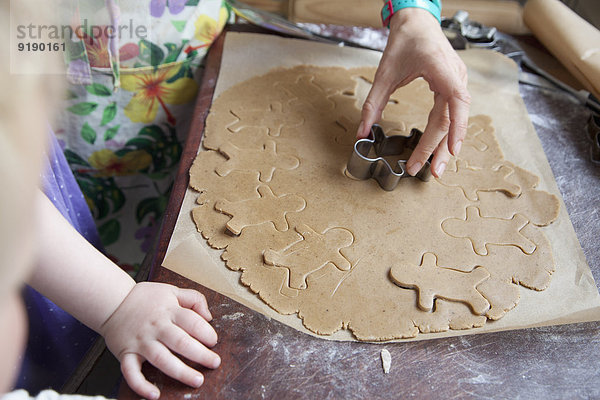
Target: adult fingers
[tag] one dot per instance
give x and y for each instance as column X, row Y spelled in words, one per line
column 375, row 103
column 194, row 300
column 437, row 127
column 159, row 356
column 182, row 343
column 458, row 107
column 131, row 367
column 441, row 158
column 451, row 84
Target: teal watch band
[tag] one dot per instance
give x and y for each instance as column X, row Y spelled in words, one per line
column 392, row 6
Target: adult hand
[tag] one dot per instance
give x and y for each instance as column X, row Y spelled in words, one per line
column 417, row 47
column 153, row 320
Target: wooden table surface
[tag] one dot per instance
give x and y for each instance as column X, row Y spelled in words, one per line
column 262, row 358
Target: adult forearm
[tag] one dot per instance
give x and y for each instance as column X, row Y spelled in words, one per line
column 72, row 273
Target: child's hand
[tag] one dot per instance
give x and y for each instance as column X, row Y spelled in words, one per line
column 153, row 320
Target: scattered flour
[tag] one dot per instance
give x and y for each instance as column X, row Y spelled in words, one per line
column 233, row 316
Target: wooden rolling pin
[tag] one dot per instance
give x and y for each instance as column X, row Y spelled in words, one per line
column 570, row 38
column 506, row 15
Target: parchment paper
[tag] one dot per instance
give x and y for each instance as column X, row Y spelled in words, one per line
column 493, row 83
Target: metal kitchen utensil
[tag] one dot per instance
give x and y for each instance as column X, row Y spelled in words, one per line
column 464, row 33
column 593, row 127
column 367, row 158
column 279, row 24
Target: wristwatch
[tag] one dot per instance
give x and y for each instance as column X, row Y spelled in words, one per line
column 392, row 6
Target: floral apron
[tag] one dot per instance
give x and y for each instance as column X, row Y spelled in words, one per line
column 128, row 108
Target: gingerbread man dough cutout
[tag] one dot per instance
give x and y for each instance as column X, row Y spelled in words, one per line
column 482, row 231
column 273, row 119
column 480, row 135
column 307, row 91
column 311, row 254
column 267, row 208
column 473, row 180
column 472, row 138
column 265, row 160
column 432, row 282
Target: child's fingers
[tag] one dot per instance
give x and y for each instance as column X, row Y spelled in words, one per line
column 131, row 367
column 180, row 342
column 159, row 356
column 196, row 326
column 194, row 300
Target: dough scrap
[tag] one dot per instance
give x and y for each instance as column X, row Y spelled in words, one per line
column 283, row 246
column 386, row 361
column 432, row 282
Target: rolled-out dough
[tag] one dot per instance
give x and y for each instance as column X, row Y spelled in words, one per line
column 309, row 240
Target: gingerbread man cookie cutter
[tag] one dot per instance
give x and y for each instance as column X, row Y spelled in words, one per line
column 367, row 158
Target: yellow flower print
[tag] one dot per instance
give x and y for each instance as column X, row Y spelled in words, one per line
column 108, row 164
column 207, row 29
column 152, row 89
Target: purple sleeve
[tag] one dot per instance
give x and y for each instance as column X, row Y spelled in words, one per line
column 59, row 184
column 57, row 342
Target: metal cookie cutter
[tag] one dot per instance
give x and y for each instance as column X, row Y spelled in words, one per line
column 366, row 160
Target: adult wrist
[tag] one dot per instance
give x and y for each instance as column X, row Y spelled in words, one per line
column 390, row 7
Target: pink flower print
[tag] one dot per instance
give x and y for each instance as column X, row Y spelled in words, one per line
column 99, row 54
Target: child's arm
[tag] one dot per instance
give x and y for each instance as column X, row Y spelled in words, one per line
column 144, row 321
